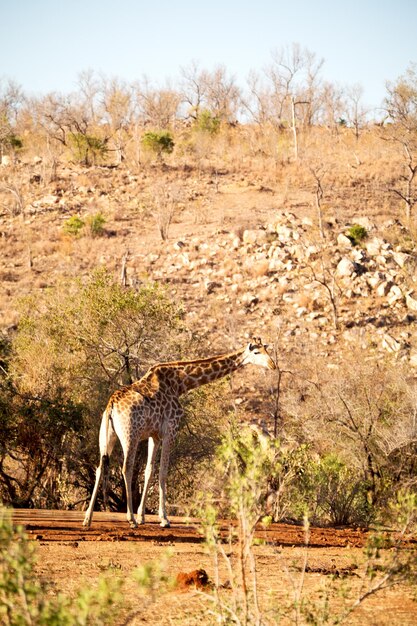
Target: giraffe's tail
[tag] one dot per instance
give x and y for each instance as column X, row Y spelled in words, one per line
column 107, row 439
column 107, row 435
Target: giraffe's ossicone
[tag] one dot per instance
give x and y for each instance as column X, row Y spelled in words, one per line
column 150, row 409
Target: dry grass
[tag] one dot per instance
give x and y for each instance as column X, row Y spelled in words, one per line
column 244, row 179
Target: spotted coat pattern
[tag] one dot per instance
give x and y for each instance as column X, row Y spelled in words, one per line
column 150, row 409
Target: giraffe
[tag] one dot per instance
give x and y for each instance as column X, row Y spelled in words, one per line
column 150, row 409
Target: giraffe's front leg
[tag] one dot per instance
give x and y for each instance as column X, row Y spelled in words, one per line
column 163, row 472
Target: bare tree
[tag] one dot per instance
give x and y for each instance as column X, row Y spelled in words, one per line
column 288, row 93
column 318, row 174
column 119, row 109
column 164, row 203
column 401, row 106
column 356, row 113
column 11, row 98
column 223, row 94
column 193, row 86
column 158, row 107
column 332, row 106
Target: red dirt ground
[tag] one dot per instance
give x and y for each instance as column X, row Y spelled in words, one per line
column 70, row 556
column 49, row 526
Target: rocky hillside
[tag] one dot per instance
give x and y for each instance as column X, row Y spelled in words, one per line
column 241, row 258
column 282, row 279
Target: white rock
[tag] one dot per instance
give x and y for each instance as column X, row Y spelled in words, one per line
column 363, row 221
column 374, row 246
column 400, row 258
column 375, row 279
column 254, row 236
column 49, row 199
column 284, row 232
column 311, row 251
column 411, row 302
column 345, row 267
column 384, row 288
column 390, row 344
column 395, row 294
column 343, row 241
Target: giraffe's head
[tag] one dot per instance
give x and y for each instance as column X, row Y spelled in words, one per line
column 257, row 354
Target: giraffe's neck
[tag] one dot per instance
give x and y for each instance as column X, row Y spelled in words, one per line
column 191, row 374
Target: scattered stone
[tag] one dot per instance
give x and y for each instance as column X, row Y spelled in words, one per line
column 410, row 301
column 345, row 267
column 383, row 289
column 390, row 344
column 395, row 294
column 400, row 258
column 343, row 241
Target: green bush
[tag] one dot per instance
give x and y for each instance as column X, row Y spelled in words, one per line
column 73, row 226
column 158, row 142
column 73, row 347
column 87, row 149
column 206, row 122
column 357, row 234
column 24, row 600
column 95, row 224
column 331, row 492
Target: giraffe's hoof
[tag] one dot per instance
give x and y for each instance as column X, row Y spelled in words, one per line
column 133, row 523
column 165, row 523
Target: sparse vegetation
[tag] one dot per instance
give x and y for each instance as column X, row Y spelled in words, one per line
column 73, row 226
column 281, row 250
column 357, row 234
column 25, row 601
column 158, row 142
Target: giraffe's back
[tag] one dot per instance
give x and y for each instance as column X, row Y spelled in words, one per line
column 142, row 410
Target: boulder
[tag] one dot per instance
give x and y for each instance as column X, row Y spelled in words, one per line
column 345, row 267
column 410, row 301
column 374, row 246
column 384, row 288
column 395, row 294
column 343, row 241
column 254, row 236
column 390, row 344
column 400, row 258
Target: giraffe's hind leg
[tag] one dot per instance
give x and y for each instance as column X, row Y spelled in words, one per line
column 127, row 471
column 107, row 440
column 153, row 446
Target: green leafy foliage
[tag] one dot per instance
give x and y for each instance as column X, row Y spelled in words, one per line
column 73, row 347
column 24, row 600
column 206, row 122
column 357, row 234
column 158, row 142
column 73, row 226
column 331, row 492
column 87, row 149
column 95, row 224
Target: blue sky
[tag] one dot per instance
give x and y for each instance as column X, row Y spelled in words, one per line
column 45, row 44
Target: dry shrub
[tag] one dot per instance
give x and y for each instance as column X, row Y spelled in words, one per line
column 361, row 410
column 258, row 268
column 306, row 300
